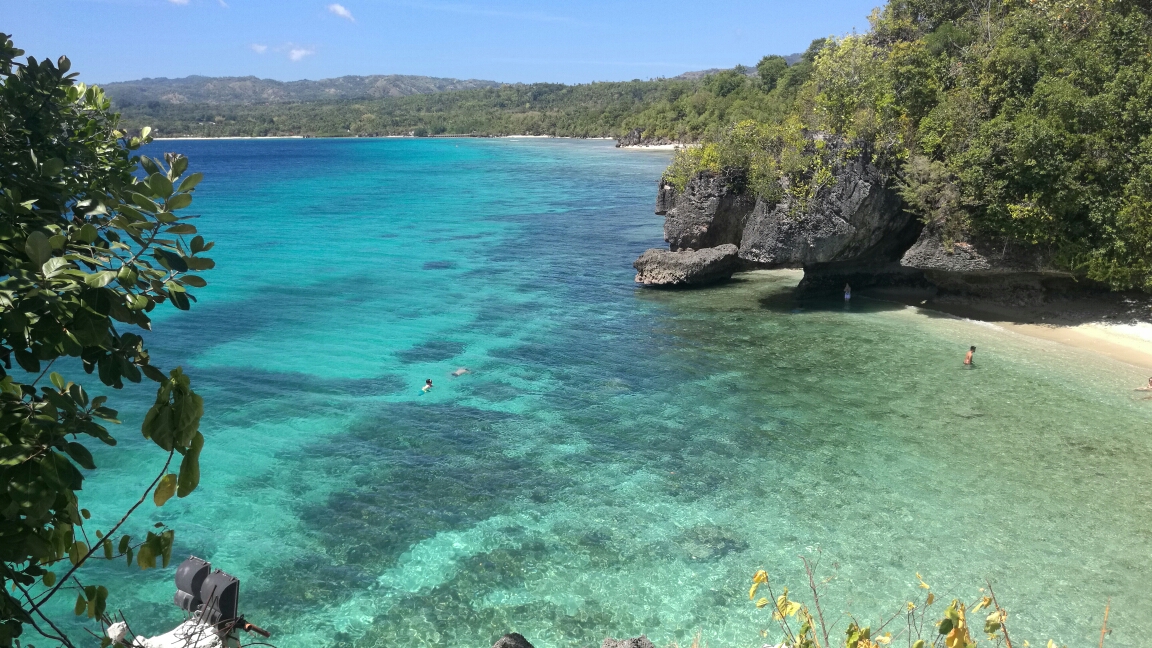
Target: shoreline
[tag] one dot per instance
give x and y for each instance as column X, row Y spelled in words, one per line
column 1108, row 326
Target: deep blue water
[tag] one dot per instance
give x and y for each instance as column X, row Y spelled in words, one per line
column 618, row 460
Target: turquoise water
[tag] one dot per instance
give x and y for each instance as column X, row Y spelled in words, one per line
column 619, row 460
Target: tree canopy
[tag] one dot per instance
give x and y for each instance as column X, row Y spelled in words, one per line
column 1029, row 122
column 90, row 244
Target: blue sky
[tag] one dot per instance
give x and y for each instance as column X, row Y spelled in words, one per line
column 503, row 40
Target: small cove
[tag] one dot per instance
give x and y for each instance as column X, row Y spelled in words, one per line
column 619, row 461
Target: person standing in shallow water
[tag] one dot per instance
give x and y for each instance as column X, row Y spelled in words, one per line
column 427, row 386
column 968, row 358
column 847, row 293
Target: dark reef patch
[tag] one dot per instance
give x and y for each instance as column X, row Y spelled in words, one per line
column 433, row 351
column 439, row 265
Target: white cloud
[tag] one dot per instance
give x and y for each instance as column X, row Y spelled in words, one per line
column 337, row 9
column 179, row 2
column 258, row 48
column 299, row 53
column 222, row 3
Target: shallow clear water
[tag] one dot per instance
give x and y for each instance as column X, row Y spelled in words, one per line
column 619, row 461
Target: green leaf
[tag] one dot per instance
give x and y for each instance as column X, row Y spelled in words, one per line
column 165, row 489
column 49, row 579
column 38, row 249
column 190, row 182
column 144, row 201
column 182, row 228
column 81, row 605
column 125, row 542
column 160, row 185
column 194, row 281
column 190, row 467
column 171, row 260
column 197, row 244
column 108, row 553
column 57, row 241
column 179, row 166
column 76, row 552
column 52, row 167
column 179, row 299
column 80, row 455
column 57, row 380
column 100, row 279
column 148, row 163
column 88, row 233
column 179, row 201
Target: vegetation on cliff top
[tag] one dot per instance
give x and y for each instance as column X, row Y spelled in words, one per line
column 1022, row 121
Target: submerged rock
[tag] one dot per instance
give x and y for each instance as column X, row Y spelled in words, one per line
column 512, row 640
column 658, row 267
column 635, row 642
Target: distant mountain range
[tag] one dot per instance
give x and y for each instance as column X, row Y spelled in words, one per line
column 251, row 90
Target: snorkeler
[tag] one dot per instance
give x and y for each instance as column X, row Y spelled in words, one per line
column 968, row 358
column 427, row 385
column 460, row 372
column 1147, row 387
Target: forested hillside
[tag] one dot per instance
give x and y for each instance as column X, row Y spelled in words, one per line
column 251, row 90
column 1027, row 122
column 682, row 109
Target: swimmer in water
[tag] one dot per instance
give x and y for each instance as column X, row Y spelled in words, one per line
column 968, row 358
column 1147, row 387
column 427, row 385
column 460, row 372
column 847, row 292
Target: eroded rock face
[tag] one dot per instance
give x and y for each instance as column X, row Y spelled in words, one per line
column 982, row 267
column 636, row 642
column 856, row 218
column 665, row 197
column 712, row 211
column 636, row 137
column 657, row 267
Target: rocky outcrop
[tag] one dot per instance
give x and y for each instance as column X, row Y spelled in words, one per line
column 636, row 642
column 853, row 230
column 982, row 267
column 665, row 197
column 512, row 640
column 636, row 137
column 713, row 210
column 857, row 218
column 658, row 267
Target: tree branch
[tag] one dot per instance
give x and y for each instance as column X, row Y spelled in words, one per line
column 111, row 531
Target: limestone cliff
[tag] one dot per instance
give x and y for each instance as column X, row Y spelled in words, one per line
column 853, row 229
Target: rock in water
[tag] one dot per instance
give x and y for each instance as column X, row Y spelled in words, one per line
column 512, row 640
column 712, row 211
column 636, row 642
column 658, row 267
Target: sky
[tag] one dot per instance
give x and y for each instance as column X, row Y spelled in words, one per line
column 500, row 40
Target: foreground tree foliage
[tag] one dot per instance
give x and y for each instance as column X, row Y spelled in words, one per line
column 89, row 246
column 1024, row 121
column 801, row 624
